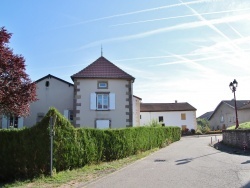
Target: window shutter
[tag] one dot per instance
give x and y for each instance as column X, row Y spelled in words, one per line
column 112, row 101
column 66, row 113
column 93, row 101
column 20, row 122
column 4, row 122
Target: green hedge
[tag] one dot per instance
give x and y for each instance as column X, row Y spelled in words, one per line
column 26, row 153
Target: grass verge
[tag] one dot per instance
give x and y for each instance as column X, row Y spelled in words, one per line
column 245, row 125
column 72, row 178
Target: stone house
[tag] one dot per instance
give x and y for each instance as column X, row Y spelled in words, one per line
column 224, row 114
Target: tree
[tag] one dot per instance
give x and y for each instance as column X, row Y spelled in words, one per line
column 17, row 91
column 203, row 125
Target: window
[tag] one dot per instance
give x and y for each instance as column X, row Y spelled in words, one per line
column 160, row 118
column 222, row 119
column 102, row 101
column 39, row 117
column 102, row 85
column 13, row 122
column 183, row 116
column 47, row 83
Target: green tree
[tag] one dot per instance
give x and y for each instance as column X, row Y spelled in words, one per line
column 202, row 125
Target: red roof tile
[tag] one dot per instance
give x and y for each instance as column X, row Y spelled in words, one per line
column 102, row 68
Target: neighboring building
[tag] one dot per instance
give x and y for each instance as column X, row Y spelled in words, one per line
column 224, row 114
column 136, row 110
column 206, row 115
column 11, row 122
column 170, row 114
column 103, row 96
column 51, row 92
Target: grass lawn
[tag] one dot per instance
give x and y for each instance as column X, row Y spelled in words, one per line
column 245, row 125
column 72, row 178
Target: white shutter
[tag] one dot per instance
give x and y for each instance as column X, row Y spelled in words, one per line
column 93, row 101
column 66, row 113
column 20, row 122
column 102, row 124
column 112, row 101
column 4, row 122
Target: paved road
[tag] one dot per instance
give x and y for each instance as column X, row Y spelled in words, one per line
column 190, row 162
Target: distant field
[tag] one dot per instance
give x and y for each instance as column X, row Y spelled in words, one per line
column 245, row 125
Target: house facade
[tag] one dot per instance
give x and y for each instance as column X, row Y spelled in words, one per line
column 224, row 114
column 169, row 114
column 51, row 92
column 136, row 110
column 103, row 96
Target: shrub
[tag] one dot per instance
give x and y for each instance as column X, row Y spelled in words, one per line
column 26, row 153
column 203, row 125
column 154, row 123
column 192, row 131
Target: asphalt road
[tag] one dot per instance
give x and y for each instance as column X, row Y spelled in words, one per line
column 190, row 162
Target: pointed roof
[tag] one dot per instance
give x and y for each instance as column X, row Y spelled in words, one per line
column 239, row 104
column 163, row 107
column 51, row 76
column 206, row 115
column 102, row 68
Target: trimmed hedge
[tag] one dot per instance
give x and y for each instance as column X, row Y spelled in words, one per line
column 26, row 153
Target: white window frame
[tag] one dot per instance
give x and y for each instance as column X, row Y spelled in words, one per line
column 104, row 99
column 94, row 101
column 102, row 85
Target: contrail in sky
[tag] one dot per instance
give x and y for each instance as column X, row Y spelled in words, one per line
column 211, row 25
column 175, row 17
column 188, row 25
column 139, row 11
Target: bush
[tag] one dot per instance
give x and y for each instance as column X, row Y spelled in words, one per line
column 202, row 125
column 154, row 123
column 26, row 153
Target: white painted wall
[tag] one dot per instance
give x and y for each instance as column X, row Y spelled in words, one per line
column 59, row 94
column 172, row 118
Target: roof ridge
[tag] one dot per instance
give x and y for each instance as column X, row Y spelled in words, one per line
column 102, row 68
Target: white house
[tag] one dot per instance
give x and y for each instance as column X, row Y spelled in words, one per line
column 169, row 114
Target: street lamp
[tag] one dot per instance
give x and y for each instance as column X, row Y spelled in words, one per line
column 233, row 86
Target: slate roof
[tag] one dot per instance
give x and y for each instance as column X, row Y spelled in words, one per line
column 247, row 106
column 206, row 115
column 102, row 68
column 166, row 107
column 241, row 104
column 51, row 76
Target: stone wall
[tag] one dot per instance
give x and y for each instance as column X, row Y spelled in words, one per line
column 237, row 138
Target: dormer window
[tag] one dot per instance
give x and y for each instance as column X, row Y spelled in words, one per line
column 102, row 85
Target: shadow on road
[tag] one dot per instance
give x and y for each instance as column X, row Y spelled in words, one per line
column 246, row 162
column 230, row 150
column 188, row 160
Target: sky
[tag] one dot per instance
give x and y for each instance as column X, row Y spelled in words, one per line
column 184, row 50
